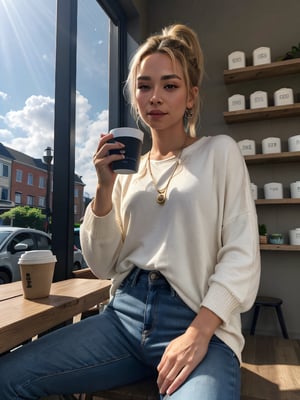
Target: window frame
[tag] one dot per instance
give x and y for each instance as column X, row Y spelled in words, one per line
column 64, row 116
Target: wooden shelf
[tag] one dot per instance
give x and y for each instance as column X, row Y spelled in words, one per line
column 263, row 202
column 279, row 247
column 292, row 110
column 288, row 156
column 276, row 68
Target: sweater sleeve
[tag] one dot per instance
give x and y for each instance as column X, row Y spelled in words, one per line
column 233, row 285
column 101, row 241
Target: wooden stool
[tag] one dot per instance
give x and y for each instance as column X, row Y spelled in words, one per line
column 269, row 302
column 143, row 390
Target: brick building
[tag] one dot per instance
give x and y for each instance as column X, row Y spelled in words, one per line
column 23, row 181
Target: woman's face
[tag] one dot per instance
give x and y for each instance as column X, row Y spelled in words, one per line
column 161, row 92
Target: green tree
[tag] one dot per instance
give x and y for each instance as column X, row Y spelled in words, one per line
column 24, row 217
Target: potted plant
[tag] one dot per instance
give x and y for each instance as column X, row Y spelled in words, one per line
column 263, row 235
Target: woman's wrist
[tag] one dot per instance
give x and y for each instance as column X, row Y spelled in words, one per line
column 102, row 202
column 204, row 325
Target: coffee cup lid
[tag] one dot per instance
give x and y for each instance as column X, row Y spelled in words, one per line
column 37, row 257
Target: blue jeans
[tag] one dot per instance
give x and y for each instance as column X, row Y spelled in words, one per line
column 121, row 345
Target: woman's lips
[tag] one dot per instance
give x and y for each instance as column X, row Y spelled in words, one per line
column 156, row 113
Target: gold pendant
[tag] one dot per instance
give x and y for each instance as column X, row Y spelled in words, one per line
column 161, row 199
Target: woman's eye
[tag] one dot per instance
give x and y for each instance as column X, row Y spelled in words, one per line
column 143, row 87
column 170, row 86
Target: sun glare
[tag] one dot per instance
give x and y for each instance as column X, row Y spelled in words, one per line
column 24, row 25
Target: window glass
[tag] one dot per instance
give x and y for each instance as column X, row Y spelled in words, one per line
column 43, row 243
column 4, row 193
column 42, row 183
column 18, row 198
column 29, row 179
column 30, row 200
column 92, row 87
column 42, row 201
column 19, row 175
column 4, row 170
column 23, row 237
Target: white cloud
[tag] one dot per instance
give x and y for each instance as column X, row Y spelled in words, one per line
column 5, row 134
column 3, row 95
column 31, row 131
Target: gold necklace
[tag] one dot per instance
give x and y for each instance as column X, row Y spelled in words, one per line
column 162, row 193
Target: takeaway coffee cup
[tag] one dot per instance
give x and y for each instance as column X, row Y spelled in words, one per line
column 37, row 269
column 133, row 140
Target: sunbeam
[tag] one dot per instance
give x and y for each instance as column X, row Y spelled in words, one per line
column 24, row 30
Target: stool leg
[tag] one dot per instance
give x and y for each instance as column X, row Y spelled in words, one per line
column 254, row 320
column 282, row 323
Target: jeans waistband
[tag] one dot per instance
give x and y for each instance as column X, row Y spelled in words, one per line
column 149, row 277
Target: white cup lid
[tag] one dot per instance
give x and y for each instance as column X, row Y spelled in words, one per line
column 37, row 257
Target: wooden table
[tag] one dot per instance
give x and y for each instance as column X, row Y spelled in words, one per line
column 22, row 319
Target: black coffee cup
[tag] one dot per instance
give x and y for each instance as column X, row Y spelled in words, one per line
column 132, row 139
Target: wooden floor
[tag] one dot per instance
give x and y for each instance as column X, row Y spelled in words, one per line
column 271, row 369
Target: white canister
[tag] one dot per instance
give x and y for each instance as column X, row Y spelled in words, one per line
column 295, row 190
column 236, row 59
column 254, row 191
column 294, row 235
column 236, row 102
column 273, row 190
column 283, row 97
column 294, row 143
column 247, row 147
column 271, row 145
column 258, row 99
column 261, row 55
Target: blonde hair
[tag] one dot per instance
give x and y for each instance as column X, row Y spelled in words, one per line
column 180, row 43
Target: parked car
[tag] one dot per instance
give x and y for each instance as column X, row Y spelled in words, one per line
column 15, row 241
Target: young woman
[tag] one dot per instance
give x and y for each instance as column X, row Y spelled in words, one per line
column 179, row 241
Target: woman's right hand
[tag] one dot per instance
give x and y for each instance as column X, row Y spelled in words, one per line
column 102, row 160
column 102, row 202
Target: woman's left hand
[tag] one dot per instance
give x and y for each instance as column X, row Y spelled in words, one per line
column 180, row 358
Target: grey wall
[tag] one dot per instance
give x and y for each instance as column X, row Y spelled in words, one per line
column 225, row 26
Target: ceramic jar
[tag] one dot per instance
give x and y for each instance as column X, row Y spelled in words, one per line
column 295, row 190
column 271, row 145
column 247, row 147
column 294, row 143
column 273, row 190
column 294, row 235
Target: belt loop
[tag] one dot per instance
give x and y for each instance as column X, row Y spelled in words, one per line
column 135, row 276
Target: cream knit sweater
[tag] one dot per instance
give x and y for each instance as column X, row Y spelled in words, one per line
column 204, row 239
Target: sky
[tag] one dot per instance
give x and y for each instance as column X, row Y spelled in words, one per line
column 27, row 77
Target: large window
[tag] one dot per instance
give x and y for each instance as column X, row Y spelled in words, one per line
column 92, row 84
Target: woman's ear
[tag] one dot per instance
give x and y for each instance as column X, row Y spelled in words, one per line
column 191, row 98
